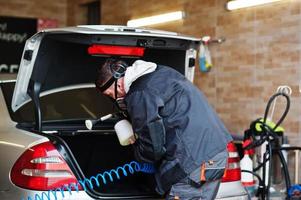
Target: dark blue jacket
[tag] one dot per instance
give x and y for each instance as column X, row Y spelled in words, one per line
column 177, row 129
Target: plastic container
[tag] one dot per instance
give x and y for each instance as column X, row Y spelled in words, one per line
column 124, row 131
column 246, row 163
column 247, row 179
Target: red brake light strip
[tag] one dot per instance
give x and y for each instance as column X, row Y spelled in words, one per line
column 115, row 50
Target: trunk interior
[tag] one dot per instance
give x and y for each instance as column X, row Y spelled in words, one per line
column 98, row 152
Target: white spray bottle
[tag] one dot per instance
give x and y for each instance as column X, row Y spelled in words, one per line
column 124, row 131
column 246, row 163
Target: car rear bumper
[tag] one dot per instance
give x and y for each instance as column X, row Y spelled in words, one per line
column 23, row 194
column 17, row 193
column 227, row 191
column 232, row 191
column 244, row 197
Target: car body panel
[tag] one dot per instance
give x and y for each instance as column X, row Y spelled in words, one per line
column 241, row 197
column 23, row 193
column 232, row 190
column 121, row 30
column 13, row 142
column 25, row 71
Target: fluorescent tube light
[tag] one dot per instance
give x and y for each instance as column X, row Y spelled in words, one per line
column 167, row 17
column 237, row 4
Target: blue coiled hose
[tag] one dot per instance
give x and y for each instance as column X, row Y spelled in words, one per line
column 131, row 168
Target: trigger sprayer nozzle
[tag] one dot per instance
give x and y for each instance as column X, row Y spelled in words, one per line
column 90, row 123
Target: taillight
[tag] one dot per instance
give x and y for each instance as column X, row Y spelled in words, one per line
column 116, row 50
column 41, row 167
column 232, row 172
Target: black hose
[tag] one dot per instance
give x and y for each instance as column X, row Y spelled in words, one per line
column 268, row 134
column 270, row 169
column 260, row 190
column 284, row 113
column 285, row 171
column 290, row 148
column 264, row 172
column 271, row 132
column 256, row 175
column 260, row 165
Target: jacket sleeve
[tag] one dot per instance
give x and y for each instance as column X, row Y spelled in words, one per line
column 143, row 108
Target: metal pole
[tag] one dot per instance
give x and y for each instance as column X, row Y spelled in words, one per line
column 296, row 166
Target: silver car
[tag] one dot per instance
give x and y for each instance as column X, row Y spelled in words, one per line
column 46, row 151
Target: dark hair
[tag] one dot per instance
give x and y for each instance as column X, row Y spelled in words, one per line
column 104, row 72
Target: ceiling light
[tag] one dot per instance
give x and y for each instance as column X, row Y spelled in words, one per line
column 237, row 4
column 167, row 17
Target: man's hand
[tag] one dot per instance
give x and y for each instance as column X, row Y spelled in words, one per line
column 132, row 140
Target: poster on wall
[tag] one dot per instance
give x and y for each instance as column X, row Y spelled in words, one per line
column 14, row 32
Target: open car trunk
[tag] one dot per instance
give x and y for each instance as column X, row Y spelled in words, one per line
column 55, row 93
column 100, row 152
column 95, row 151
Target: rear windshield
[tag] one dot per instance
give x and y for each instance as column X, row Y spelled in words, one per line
column 64, row 105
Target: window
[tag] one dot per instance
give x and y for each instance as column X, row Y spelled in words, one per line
column 93, row 12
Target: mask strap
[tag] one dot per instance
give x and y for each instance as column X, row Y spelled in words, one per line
column 115, row 83
column 117, row 103
column 106, row 85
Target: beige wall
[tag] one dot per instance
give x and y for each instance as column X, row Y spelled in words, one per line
column 66, row 12
column 261, row 52
column 77, row 12
column 51, row 9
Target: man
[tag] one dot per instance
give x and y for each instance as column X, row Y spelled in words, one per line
column 177, row 129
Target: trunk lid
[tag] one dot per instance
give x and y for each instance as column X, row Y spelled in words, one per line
column 58, row 58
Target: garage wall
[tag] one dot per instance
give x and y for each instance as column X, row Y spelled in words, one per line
column 51, row 9
column 66, row 12
column 77, row 12
column 261, row 52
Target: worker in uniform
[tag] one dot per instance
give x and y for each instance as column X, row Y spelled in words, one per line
column 176, row 129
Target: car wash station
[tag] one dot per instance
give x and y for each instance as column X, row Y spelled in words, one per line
column 129, row 99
